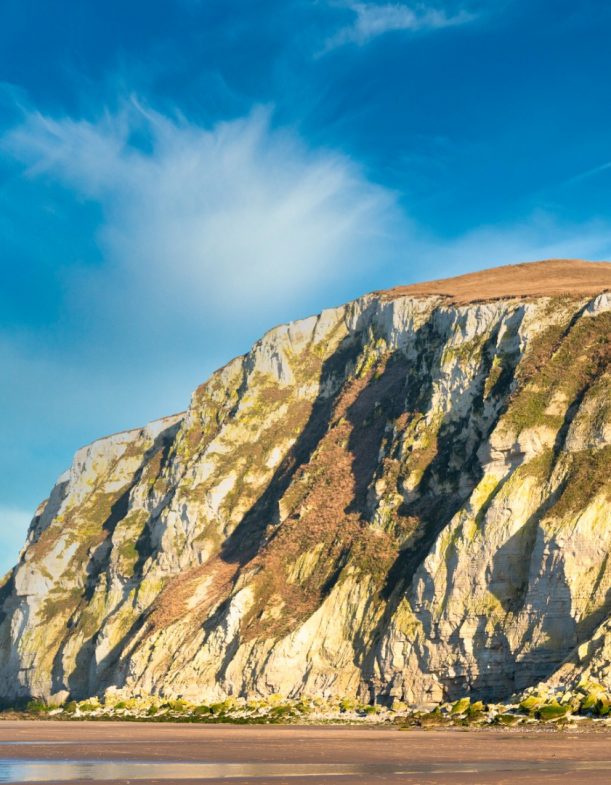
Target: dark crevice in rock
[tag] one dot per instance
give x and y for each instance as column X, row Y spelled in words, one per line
column 250, row 534
column 455, row 470
column 380, row 402
column 7, row 593
column 78, row 683
column 145, row 546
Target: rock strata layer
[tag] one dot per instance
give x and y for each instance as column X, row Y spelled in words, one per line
column 406, row 498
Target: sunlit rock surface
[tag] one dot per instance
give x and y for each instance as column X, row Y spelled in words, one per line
column 404, row 498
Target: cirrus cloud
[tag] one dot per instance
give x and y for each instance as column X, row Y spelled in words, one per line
column 236, row 214
column 372, row 20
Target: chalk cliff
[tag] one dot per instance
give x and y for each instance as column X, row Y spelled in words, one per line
column 408, row 496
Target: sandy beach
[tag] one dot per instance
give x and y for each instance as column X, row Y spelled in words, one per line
column 148, row 753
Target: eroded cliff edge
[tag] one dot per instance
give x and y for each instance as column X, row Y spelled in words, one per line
column 408, row 496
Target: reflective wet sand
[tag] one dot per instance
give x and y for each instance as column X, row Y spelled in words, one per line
column 142, row 753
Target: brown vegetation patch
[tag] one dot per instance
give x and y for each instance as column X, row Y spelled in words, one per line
column 322, row 493
column 173, row 602
column 587, row 477
column 551, row 278
column 563, row 359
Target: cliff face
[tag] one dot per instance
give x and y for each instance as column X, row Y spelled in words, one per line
column 408, row 496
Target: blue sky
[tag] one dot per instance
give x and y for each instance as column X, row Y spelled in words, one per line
column 176, row 177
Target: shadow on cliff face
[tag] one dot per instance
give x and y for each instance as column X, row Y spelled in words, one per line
column 77, row 683
column 455, row 470
column 586, row 625
column 6, row 592
column 399, row 386
column 514, row 579
column 240, row 547
column 380, row 402
column 248, row 536
column 505, row 668
column 144, row 544
column 508, row 579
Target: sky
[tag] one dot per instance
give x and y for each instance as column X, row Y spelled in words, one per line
column 177, row 177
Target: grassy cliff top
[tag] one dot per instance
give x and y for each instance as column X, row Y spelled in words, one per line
column 550, row 278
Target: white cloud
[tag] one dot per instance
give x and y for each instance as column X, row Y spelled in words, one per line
column 203, row 219
column 13, row 527
column 593, row 172
column 372, row 20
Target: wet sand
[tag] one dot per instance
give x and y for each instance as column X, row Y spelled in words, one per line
column 294, row 755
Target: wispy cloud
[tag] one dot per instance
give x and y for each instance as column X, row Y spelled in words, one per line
column 586, row 175
column 234, row 215
column 372, row 20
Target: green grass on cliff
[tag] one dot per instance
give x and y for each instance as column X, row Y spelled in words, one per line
column 560, row 364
